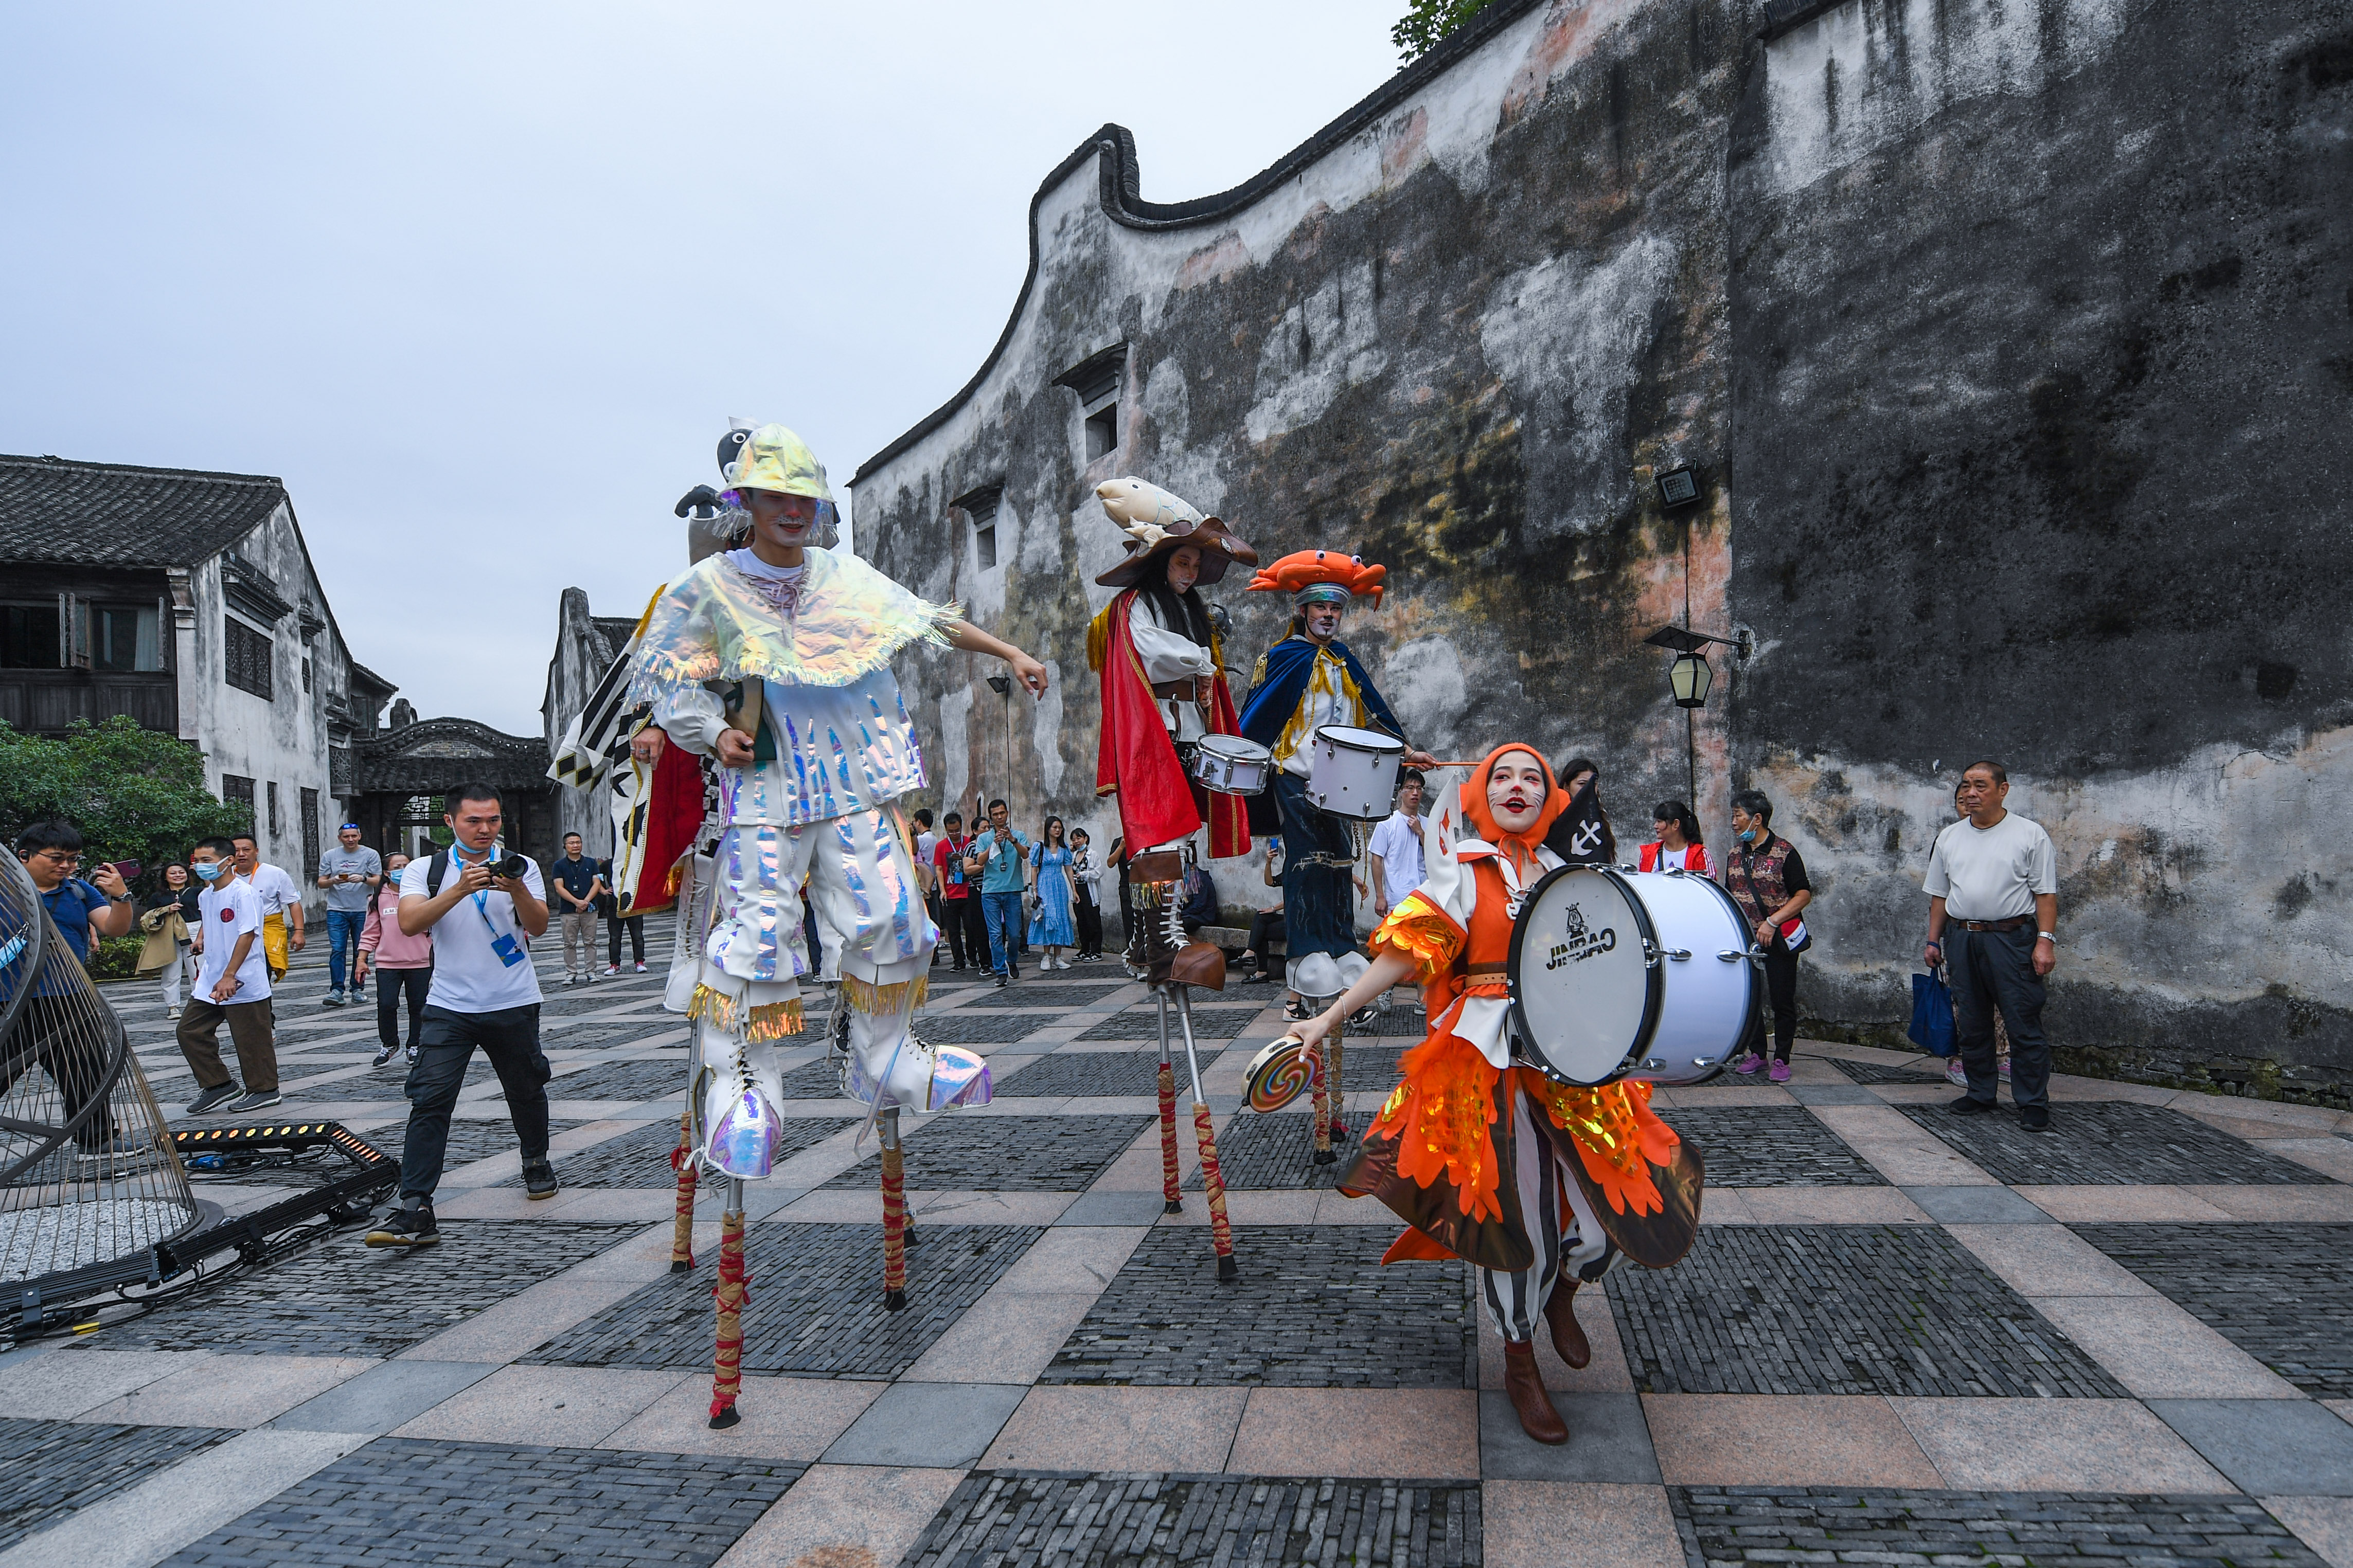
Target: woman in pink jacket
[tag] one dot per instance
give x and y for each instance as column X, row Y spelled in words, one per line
column 406, row 962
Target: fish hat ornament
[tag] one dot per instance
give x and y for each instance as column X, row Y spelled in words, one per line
column 1305, row 569
column 1158, row 524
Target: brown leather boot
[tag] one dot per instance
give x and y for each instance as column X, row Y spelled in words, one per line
column 1568, row 1334
column 1538, row 1419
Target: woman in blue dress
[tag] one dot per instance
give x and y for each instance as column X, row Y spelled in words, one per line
column 1053, row 927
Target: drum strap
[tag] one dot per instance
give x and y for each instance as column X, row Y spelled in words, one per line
column 1486, row 973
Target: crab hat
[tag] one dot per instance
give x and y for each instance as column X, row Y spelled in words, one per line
column 1159, row 524
column 773, row 458
column 1311, row 576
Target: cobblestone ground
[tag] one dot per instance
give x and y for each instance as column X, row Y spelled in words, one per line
column 1903, row 1337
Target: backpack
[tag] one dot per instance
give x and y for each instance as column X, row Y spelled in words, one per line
column 1201, row 898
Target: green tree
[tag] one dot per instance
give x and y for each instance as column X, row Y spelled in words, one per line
column 1431, row 20
column 134, row 795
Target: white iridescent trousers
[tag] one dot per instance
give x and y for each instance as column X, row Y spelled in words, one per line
column 878, row 939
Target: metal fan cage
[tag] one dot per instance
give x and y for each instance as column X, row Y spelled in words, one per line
column 88, row 1173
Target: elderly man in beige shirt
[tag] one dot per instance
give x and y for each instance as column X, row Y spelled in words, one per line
column 1993, row 920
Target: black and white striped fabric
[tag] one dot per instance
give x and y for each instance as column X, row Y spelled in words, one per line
column 1515, row 1301
column 598, row 736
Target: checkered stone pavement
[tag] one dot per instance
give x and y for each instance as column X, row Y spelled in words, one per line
column 341, row 1297
column 623, row 1080
column 815, row 1304
column 472, row 1138
column 1043, row 993
column 1927, row 1071
column 1004, row 1154
column 1092, row 1073
column 2106, row 1144
column 1144, row 1024
column 404, row 1502
column 981, row 1028
column 1313, row 1308
column 641, row 1159
column 1274, row 1151
column 53, row 1467
column 1823, row 1309
column 820, row 1079
column 1029, row 1521
column 1770, row 1146
column 2282, row 1293
column 1726, row 1525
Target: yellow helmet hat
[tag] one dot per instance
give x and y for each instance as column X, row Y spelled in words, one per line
column 773, row 458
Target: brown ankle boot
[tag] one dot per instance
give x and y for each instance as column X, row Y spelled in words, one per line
column 1568, row 1334
column 1538, row 1419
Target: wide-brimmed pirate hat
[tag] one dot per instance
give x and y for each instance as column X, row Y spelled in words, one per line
column 1157, row 525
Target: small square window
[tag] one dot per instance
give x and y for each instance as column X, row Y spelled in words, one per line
column 984, row 544
column 1102, row 431
column 981, row 506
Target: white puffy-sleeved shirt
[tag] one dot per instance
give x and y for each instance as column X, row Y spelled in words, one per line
column 1167, row 654
column 839, row 748
column 1451, row 889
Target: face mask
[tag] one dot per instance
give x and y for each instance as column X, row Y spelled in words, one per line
column 208, row 870
column 1749, row 835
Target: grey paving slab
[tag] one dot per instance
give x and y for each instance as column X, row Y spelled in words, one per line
column 1112, row 1209
column 1609, row 1441
column 1313, row 1308
column 622, row 1081
column 936, row 1426
column 405, row 1500
column 472, row 1138
column 1975, row 1205
column 1273, row 1153
column 384, row 1396
column 1770, row 1146
column 1219, row 1024
column 969, row 1028
column 1782, row 1525
column 1009, row 1518
column 1829, row 1094
column 2282, row 1293
column 1927, row 1069
column 54, row 1467
column 1043, row 993
column 1004, row 1153
column 1841, row 1308
column 342, row 1297
column 815, row 1302
column 1087, row 1072
column 2273, row 1448
column 641, row 1158
column 2110, row 1142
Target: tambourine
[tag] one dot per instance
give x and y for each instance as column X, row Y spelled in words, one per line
column 1281, row 1073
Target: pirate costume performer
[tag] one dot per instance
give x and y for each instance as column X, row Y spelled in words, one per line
column 1540, row 1184
column 1164, row 687
column 1305, row 681
column 774, row 659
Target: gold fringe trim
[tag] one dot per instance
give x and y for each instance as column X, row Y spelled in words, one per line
column 772, row 1022
column 875, row 1000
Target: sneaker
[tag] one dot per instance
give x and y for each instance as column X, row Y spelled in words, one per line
column 406, row 1227
column 332, row 999
column 641, row 968
column 214, row 1098
column 1011, row 972
column 539, row 1178
column 259, row 1100
column 412, row 1055
column 616, row 969
column 1969, row 1105
column 383, row 1055
column 588, row 976
column 2034, row 1118
column 1956, row 1074
column 170, row 1012
column 1001, row 982
column 1778, row 1072
column 1748, row 1064
column 359, row 998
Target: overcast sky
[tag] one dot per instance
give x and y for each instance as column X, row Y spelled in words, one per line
column 482, row 283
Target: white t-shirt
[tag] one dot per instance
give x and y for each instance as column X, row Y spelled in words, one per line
column 924, row 844
column 1398, row 841
column 227, row 910
column 1992, row 873
column 275, row 889
column 469, row 976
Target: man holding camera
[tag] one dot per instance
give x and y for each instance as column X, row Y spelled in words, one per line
column 482, row 905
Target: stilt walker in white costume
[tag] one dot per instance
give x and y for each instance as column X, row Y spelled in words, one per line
column 775, row 658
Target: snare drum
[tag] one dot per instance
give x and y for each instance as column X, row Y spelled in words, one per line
column 1228, row 764
column 1631, row 975
column 1354, row 773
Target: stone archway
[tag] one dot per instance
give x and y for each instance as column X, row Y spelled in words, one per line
column 397, row 775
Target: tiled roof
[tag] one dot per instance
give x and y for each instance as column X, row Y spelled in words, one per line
column 61, row 512
column 617, row 630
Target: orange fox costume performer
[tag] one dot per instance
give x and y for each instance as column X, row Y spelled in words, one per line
column 1538, row 1183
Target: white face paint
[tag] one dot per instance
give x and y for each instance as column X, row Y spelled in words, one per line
column 1516, row 791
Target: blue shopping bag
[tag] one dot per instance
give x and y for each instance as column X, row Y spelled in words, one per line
column 1932, row 1015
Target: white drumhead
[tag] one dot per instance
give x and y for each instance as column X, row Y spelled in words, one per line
column 1708, row 999
column 1355, row 739
column 1582, row 995
column 1236, row 747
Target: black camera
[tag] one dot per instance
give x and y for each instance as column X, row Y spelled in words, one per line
column 511, row 868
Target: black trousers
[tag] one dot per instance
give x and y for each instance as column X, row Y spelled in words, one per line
column 510, row 1037
column 1782, row 991
column 1990, row 971
column 613, row 924
column 389, row 985
column 59, row 1034
column 1266, row 927
column 967, row 930
column 1090, row 929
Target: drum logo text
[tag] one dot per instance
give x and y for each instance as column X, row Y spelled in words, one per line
column 1579, row 942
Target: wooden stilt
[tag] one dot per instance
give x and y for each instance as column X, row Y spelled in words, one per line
column 682, row 1160
column 1170, row 1202
column 1213, row 1180
column 894, row 1215
column 727, row 1374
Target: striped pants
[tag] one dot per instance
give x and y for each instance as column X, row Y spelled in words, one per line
column 1515, row 1300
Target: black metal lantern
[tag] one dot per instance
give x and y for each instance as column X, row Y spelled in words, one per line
column 1690, row 677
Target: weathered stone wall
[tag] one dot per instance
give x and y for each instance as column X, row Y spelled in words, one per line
column 2011, row 341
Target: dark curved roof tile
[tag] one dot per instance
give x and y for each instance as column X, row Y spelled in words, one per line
column 58, row 512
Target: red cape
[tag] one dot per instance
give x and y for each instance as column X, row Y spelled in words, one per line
column 1138, row 760
column 671, row 813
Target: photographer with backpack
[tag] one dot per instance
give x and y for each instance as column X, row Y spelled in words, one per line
column 482, row 905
